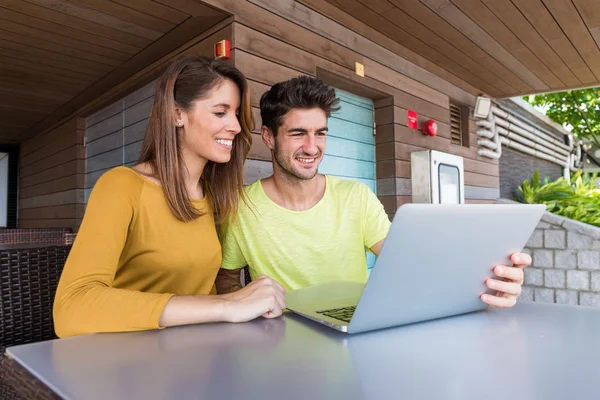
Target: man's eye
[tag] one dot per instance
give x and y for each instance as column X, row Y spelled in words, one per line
column 322, row 133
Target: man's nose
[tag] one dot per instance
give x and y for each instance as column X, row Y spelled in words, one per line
column 310, row 145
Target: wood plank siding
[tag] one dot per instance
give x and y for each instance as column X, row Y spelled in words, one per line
column 75, row 69
column 266, row 59
column 62, row 54
column 57, row 171
column 56, row 56
column 114, row 134
column 518, row 47
column 52, row 168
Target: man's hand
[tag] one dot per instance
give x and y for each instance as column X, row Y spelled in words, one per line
column 508, row 288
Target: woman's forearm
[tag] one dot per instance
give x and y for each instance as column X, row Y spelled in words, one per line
column 184, row 310
column 263, row 297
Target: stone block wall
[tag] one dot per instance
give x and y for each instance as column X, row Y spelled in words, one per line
column 566, row 263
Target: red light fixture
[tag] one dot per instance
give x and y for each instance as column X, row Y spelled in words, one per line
column 429, row 128
column 223, row 49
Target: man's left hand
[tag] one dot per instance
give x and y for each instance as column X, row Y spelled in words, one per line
column 508, row 287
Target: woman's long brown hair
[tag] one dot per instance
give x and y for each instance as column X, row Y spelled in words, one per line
column 186, row 80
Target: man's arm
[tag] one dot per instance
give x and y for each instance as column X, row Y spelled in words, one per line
column 376, row 249
column 375, row 222
column 228, row 280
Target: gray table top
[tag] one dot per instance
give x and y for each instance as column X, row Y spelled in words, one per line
column 533, row 351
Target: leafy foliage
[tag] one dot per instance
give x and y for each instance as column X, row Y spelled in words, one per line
column 578, row 108
column 579, row 200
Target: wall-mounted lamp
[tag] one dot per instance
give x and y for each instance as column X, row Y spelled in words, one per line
column 482, row 107
column 223, row 49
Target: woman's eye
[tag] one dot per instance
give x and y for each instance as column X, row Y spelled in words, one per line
column 220, row 114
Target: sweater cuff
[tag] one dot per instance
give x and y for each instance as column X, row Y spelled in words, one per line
column 158, row 310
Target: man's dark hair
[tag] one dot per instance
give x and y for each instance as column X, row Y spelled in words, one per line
column 304, row 92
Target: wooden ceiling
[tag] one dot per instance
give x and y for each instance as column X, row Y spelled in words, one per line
column 57, row 55
column 503, row 47
column 52, row 51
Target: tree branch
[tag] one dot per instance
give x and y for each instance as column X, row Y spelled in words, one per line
column 585, row 119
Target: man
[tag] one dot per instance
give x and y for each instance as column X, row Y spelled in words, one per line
column 302, row 228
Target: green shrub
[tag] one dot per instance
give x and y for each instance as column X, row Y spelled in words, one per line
column 579, row 200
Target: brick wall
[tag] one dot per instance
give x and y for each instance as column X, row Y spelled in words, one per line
column 566, row 263
column 515, row 167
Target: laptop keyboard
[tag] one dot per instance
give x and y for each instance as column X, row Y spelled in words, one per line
column 343, row 314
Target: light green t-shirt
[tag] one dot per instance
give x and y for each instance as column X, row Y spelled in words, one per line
column 304, row 248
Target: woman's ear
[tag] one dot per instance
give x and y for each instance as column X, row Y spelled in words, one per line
column 180, row 117
column 267, row 137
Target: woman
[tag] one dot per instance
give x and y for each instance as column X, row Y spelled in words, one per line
column 147, row 253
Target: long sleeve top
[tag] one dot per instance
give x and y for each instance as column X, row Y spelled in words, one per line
column 130, row 256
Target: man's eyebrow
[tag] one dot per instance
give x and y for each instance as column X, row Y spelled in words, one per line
column 303, row 130
column 297, row 129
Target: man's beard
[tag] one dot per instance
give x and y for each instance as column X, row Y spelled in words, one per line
column 288, row 170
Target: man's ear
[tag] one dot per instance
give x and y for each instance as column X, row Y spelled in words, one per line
column 267, row 137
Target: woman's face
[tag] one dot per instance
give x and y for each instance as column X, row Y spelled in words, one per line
column 209, row 128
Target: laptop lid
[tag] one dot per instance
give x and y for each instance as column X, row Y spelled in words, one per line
column 436, row 258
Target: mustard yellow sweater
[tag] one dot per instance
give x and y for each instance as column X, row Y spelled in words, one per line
column 130, row 256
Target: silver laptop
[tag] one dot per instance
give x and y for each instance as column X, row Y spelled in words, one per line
column 433, row 264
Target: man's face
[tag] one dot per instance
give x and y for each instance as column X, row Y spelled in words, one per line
column 299, row 145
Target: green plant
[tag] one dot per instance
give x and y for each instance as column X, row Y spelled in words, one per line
column 579, row 200
column 578, row 110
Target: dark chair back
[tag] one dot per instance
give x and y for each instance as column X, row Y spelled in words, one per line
column 29, row 275
column 247, row 278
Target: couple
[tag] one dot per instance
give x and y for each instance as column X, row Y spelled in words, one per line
column 148, row 255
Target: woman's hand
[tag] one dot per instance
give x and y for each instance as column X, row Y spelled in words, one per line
column 262, row 297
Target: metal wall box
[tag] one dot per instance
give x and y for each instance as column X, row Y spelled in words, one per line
column 437, row 177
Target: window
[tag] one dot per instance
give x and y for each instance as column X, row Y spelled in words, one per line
column 9, row 163
column 449, row 184
column 3, row 189
column 459, row 124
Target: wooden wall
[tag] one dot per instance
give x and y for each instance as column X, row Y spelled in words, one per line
column 283, row 42
column 55, row 165
column 114, row 134
column 52, row 168
column 272, row 40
